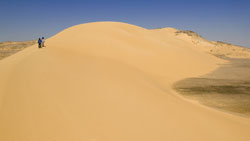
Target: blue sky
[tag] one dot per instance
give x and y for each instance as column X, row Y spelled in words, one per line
column 223, row 20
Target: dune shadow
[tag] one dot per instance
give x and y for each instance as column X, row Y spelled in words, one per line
column 227, row 88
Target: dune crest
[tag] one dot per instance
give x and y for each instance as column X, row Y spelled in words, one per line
column 109, row 81
column 217, row 48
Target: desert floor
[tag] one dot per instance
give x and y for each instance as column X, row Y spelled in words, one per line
column 9, row 48
column 227, row 88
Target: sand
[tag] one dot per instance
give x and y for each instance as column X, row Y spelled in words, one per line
column 227, row 88
column 216, row 48
column 109, row 81
column 8, row 48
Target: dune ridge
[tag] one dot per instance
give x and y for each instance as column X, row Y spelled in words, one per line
column 109, row 81
column 217, row 48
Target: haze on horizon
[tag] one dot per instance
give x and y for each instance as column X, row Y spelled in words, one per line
column 222, row 20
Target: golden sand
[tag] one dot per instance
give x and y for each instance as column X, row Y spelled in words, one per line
column 109, row 81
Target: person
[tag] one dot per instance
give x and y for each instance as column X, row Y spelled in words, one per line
column 39, row 43
column 43, row 41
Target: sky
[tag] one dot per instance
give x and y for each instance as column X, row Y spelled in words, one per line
column 217, row 20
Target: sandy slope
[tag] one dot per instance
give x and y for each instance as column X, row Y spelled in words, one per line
column 217, row 48
column 109, row 81
column 8, row 48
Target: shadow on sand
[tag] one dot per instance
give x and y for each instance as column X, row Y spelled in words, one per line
column 227, row 88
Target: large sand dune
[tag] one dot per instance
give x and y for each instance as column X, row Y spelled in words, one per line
column 109, row 81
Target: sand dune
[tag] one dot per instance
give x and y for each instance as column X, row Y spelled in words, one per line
column 109, row 81
column 217, row 48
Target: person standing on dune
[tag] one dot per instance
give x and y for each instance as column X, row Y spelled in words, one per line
column 39, row 43
column 43, row 41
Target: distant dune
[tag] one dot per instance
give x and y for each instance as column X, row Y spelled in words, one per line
column 217, row 48
column 111, row 81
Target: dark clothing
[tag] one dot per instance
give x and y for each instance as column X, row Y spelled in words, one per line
column 39, row 43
